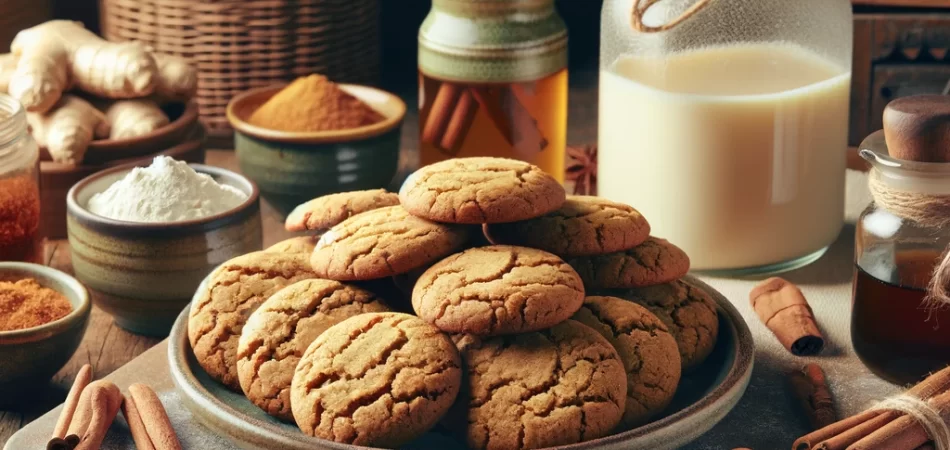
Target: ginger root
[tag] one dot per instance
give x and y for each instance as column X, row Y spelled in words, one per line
column 177, row 78
column 58, row 54
column 68, row 128
column 131, row 118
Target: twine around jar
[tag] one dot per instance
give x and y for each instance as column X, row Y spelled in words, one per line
column 639, row 11
column 928, row 210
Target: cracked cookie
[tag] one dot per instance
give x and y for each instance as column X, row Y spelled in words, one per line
column 581, row 226
column 497, row 290
column 558, row 386
column 300, row 244
column 382, row 243
column 233, row 291
column 688, row 311
column 649, row 353
column 282, row 328
column 377, row 379
column 480, row 190
column 655, row 261
column 328, row 211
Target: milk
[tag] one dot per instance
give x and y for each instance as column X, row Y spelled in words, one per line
column 736, row 154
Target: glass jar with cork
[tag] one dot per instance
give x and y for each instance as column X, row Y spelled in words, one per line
column 493, row 82
column 900, row 320
column 20, row 238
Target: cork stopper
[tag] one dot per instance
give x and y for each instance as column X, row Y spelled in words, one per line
column 917, row 128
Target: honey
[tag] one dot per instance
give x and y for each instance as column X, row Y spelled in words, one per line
column 894, row 332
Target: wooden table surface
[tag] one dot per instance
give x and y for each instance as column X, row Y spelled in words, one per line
column 107, row 347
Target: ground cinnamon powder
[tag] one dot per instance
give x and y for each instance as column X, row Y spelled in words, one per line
column 313, row 103
column 19, row 219
column 26, row 304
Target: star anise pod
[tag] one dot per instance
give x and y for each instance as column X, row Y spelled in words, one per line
column 582, row 169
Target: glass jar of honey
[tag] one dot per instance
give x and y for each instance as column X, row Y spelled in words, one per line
column 493, row 82
column 899, row 330
column 20, row 238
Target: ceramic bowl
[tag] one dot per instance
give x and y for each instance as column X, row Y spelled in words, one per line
column 57, row 178
column 182, row 116
column 291, row 168
column 703, row 398
column 143, row 274
column 30, row 357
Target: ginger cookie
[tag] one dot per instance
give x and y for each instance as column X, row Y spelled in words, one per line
column 300, row 244
column 496, row 290
column 377, row 379
column 558, row 386
column 480, row 190
column 325, row 212
column 281, row 330
column 233, row 291
column 649, row 353
column 382, row 243
column 655, row 261
column 688, row 311
column 582, row 226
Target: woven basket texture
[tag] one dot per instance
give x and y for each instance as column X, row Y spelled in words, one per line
column 242, row 44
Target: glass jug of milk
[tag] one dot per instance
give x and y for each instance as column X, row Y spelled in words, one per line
column 725, row 123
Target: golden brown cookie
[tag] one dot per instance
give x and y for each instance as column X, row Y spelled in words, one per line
column 233, row 291
column 646, row 347
column 300, row 244
column 281, row 330
column 581, row 226
column 558, row 386
column 326, row 212
column 496, row 290
column 480, row 190
column 655, row 261
column 688, row 311
column 377, row 379
column 382, row 243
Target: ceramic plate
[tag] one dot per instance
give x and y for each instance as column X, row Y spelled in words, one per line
column 704, row 397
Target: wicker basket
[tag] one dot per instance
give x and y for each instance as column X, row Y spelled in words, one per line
column 239, row 45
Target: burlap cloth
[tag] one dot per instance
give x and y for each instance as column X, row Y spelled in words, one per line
column 766, row 418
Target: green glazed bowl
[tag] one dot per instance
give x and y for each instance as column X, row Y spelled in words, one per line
column 294, row 167
column 31, row 356
column 143, row 274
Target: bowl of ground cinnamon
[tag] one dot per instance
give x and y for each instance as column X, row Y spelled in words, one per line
column 43, row 316
column 314, row 137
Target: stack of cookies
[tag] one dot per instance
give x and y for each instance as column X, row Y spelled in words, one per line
column 525, row 319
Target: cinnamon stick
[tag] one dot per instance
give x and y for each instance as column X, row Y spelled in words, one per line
column 905, row 433
column 845, row 439
column 459, row 123
column 72, row 399
column 489, row 98
column 811, row 388
column 98, row 406
column 441, row 113
column 527, row 134
column 152, row 427
column 783, row 309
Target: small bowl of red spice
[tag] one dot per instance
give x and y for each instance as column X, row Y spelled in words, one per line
column 43, row 316
column 314, row 137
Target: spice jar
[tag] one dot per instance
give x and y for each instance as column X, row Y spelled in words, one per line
column 725, row 122
column 493, row 82
column 900, row 318
column 20, row 238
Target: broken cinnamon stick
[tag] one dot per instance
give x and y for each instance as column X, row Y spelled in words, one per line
column 783, row 309
column 152, row 430
column 811, row 389
column 72, row 399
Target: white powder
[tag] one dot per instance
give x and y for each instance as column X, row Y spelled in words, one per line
column 166, row 191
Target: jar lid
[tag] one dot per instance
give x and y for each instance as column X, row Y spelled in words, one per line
column 917, row 128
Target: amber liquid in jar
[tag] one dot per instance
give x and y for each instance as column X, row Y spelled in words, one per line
column 20, row 238
column 525, row 121
column 894, row 333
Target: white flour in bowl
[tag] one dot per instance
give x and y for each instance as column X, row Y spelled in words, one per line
column 166, row 191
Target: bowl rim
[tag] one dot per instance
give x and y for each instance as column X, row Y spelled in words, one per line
column 188, row 115
column 81, row 212
column 315, row 137
column 59, row 325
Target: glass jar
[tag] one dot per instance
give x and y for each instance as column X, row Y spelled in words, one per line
column 20, row 238
column 493, row 82
column 893, row 332
column 725, row 123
